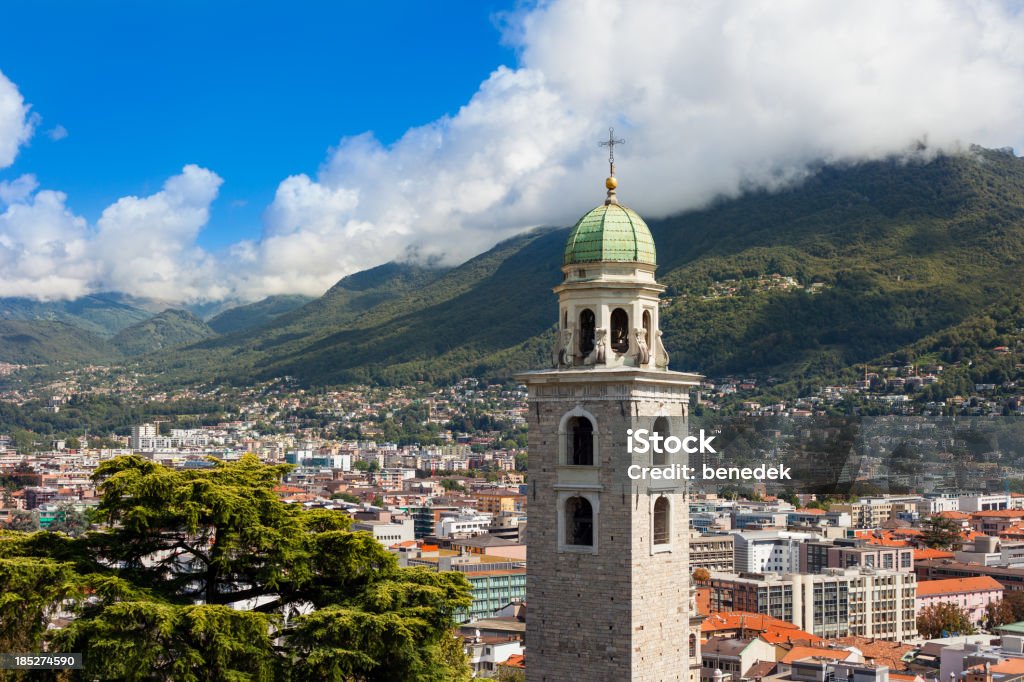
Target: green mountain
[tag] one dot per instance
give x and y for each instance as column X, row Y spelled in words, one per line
column 101, row 314
column 881, row 255
column 31, row 342
column 896, row 260
column 256, row 314
column 169, row 329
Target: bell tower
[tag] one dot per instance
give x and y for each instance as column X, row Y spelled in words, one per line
column 607, row 586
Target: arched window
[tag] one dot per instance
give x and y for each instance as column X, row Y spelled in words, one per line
column 647, row 328
column 661, row 521
column 693, row 646
column 580, row 442
column 620, row 330
column 579, row 526
column 661, row 428
column 587, row 327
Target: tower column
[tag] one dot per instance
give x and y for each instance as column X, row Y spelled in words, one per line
column 608, row 590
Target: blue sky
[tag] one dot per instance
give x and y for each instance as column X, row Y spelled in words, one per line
column 254, row 91
column 227, row 149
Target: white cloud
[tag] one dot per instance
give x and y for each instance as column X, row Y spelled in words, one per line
column 712, row 97
column 57, row 133
column 44, row 249
column 146, row 245
column 16, row 124
column 141, row 245
column 17, row 190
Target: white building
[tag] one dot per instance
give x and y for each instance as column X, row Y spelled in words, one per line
column 388, row 531
column 454, row 526
column 977, row 503
column 769, row 551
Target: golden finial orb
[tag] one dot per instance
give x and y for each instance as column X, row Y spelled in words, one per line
column 611, row 183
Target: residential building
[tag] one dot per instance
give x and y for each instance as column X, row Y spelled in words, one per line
column 836, row 603
column 1011, row 578
column 713, row 552
column 37, row 496
column 386, row 528
column 775, row 551
column 984, row 502
column 970, row 594
column 733, row 656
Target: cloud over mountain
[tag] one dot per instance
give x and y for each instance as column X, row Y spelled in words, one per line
column 713, row 98
column 142, row 245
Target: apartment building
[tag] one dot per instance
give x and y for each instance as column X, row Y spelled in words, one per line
column 837, row 603
column 970, row 594
column 769, row 551
column 713, row 552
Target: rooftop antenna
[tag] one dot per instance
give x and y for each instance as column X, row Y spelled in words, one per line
column 611, row 183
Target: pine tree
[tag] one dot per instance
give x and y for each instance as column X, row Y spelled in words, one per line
column 202, row 575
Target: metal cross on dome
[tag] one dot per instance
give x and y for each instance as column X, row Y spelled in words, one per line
column 610, row 143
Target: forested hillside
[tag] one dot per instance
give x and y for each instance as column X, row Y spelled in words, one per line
column 881, row 256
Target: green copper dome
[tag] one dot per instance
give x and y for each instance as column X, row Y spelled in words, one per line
column 610, row 232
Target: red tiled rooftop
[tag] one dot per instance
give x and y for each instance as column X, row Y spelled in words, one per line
column 798, row 653
column 999, row 514
column 934, row 588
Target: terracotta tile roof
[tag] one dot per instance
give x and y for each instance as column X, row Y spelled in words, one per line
column 877, row 650
column 795, row 637
column 760, row 669
column 798, row 653
column 960, row 516
column 515, row 661
column 999, row 514
column 733, row 620
column 921, row 554
column 771, row 630
column 1011, row 666
column 935, row 588
column 811, row 510
column 896, row 537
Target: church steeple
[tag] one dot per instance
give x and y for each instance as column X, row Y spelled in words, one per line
column 608, row 299
column 609, row 556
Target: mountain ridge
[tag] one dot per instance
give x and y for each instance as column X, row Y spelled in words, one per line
column 882, row 255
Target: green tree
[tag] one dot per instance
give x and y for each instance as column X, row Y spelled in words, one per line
column 212, row 569
column 941, row 533
column 24, row 521
column 1009, row 609
column 942, row 620
column 508, row 674
column 70, row 521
